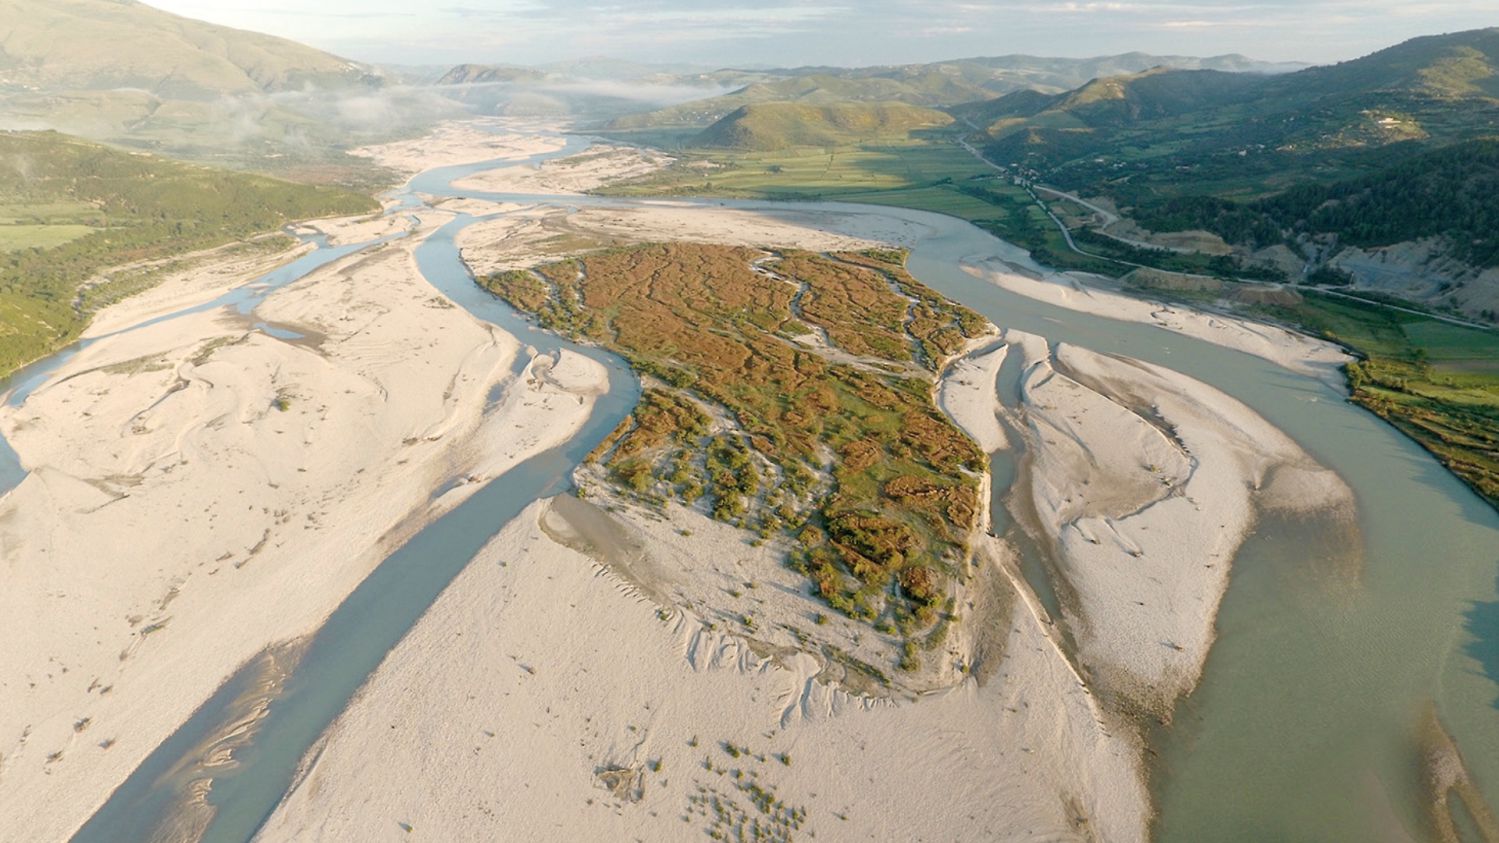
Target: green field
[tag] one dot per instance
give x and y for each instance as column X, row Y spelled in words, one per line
column 16, row 237
column 1435, row 381
column 927, row 175
column 932, row 174
column 842, row 173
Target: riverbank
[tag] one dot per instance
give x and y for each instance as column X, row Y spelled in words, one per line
column 574, row 706
column 244, row 474
column 532, row 234
column 1297, row 352
column 574, row 174
column 1146, row 483
column 463, row 143
column 712, row 586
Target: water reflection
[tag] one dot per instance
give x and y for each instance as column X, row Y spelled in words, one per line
column 1482, row 624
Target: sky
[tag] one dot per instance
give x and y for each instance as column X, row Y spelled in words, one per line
column 723, row 33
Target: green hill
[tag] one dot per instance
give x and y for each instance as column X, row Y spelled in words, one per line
column 1164, row 132
column 816, row 90
column 70, row 209
column 125, row 73
column 1462, row 64
column 933, row 85
column 783, row 125
column 1452, row 192
column 105, row 44
column 1114, row 101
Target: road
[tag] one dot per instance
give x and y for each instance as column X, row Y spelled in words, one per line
column 1111, row 218
column 1061, row 226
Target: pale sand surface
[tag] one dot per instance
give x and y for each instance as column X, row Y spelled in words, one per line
column 342, row 231
column 220, row 271
column 1297, row 352
column 201, row 281
column 541, row 667
column 694, row 632
column 1147, row 481
column 201, row 490
column 460, row 143
column 537, row 670
column 594, row 168
column 529, row 236
column 549, row 666
column 968, row 397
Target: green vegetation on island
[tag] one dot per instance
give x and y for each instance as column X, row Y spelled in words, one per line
column 1395, row 147
column 792, row 392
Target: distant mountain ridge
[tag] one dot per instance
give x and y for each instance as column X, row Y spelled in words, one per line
column 1340, row 167
column 782, row 125
column 1406, row 93
column 473, row 74
column 937, row 84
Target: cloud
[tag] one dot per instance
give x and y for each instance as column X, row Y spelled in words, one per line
column 740, row 32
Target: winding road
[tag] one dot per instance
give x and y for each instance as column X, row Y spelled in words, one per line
column 1111, row 218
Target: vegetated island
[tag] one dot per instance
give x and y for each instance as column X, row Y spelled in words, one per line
column 1382, row 247
column 822, row 369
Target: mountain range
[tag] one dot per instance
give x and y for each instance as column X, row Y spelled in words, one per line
column 931, row 85
column 1429, row 90
column 1376, row 171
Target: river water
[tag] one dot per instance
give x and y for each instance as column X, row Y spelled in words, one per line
column 1332, row 640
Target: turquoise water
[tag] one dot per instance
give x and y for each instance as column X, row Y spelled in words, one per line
column 16, row 388
column 1331, row 638
column 372, row 620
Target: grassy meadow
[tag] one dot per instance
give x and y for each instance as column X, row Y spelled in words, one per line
column 1435, row 381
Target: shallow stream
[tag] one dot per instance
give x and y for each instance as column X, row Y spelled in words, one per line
column 1332, row 639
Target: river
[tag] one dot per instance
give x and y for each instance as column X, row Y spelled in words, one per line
column 1330, row 643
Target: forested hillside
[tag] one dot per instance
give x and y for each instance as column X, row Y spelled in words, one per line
column 1451, row 192
column 1183, row 132
column 948, row 83
column 71, row 209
